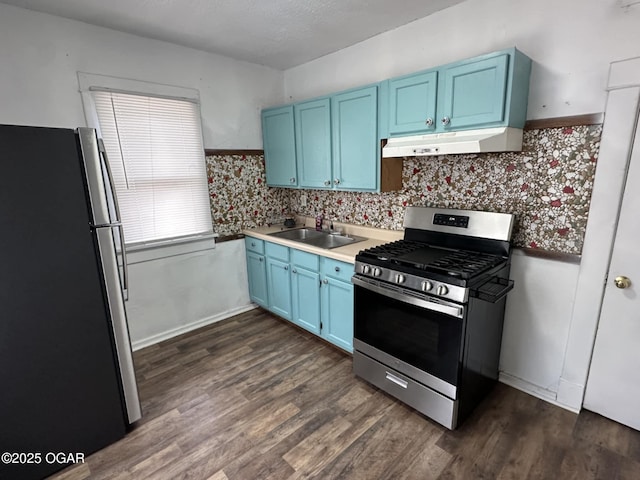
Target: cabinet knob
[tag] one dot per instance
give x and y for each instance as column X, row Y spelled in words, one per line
column 327, row 183
column 253, row 244
column 336, row 181
column 446, row 120
column 292, row 179
column 261, row 259
column 293, row 270
column 325, row 281
column 286, row 267
column 337, row 269
column 429, row 122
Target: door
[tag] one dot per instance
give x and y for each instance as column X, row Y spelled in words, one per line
column 337, row 312
column 279, row 287
column 412, row 104
column 474, row 94
column 354, row 123
column 313, row 143
column 279, row 145
column 257, row 275
column 305, row 287
column 613, row 389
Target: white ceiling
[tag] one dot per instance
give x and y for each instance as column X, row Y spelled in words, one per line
column 277, row 33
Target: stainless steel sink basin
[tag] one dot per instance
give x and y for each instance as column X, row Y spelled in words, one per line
column 298, row 234
column 309, row 236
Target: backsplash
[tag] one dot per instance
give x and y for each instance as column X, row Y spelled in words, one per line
column 548, row 186
column 239, row 195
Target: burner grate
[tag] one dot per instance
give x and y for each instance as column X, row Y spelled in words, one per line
column 453, row 263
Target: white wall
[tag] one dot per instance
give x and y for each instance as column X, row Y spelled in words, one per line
column 39, row 58
column 571, row 43
column 537, row 323
column 547, row 342
column 183, row 292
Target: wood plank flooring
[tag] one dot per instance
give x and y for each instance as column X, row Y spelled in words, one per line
column 254, row 398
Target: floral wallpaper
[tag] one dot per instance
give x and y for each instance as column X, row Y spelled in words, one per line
column 547, row 185
column 239, row 195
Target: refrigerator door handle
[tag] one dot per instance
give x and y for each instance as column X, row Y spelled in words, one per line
column 125, row 267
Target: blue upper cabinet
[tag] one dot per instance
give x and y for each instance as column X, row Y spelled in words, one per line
column 491, row 90
column 412, row 103
column 474, row 93
column 356, row 151
column 278, row 139
column 313, row 143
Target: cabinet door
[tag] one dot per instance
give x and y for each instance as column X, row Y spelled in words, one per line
column 305, row 289
column 337, row 312
column 278, row 139
column 313, row 143
column 257, row 273
column 356, row 151
column 473, row 94
column 279, row 287
column 412, row 104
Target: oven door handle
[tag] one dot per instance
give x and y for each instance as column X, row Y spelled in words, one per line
column 451, row 310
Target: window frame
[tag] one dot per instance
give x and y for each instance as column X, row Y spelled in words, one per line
column 145, row 251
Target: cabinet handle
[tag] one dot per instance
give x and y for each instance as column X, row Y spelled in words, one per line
column 336, row 181
column 446, row 120
column 327, row 183
column 292, row 179
column 337, row 269
column 294, row 270
column 325, row 281
column 429, row 122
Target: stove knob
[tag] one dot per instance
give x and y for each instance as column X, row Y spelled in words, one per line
column 442, row 290
column 400, row 278
column 366, row 269
column 377, row 272
column 426, row 286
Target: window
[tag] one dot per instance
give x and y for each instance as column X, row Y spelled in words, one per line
column 154, row 146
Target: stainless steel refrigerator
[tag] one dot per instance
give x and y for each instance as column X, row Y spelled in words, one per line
column 67, row 380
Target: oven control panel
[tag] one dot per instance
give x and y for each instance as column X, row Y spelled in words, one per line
column 413, row 282
column 461, row 221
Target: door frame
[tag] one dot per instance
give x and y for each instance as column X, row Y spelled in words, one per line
column 621, row 113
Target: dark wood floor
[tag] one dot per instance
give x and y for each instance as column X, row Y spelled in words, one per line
column 254, row 398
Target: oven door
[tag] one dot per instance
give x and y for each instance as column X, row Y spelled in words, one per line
column 415, row 334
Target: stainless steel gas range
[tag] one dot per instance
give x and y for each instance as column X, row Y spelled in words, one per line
column 429, row 310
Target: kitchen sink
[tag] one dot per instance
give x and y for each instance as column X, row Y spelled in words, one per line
column 298, row 234
column 309, row 236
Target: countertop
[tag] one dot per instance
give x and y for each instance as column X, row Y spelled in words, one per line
column 374, row 237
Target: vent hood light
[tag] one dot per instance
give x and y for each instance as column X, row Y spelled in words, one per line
column 502, row 139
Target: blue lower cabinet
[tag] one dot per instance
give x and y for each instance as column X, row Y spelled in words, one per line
column 337, row 302
column 279, row 286
column 257, row 271
column 305, row 290
column 312, row 291
column 337, row 312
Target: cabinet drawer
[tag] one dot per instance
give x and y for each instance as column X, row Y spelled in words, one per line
column 254, row 245
column 279, row 252
column 306, row 260
column 336, row 269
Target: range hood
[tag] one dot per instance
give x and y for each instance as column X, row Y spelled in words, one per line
column 501, row 139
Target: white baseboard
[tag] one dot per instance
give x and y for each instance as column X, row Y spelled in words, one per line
column 539, row 392
column 152, row 340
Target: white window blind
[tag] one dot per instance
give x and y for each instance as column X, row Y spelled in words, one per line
column 155, row 151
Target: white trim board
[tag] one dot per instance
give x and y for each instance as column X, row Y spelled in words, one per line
column 174, row 332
